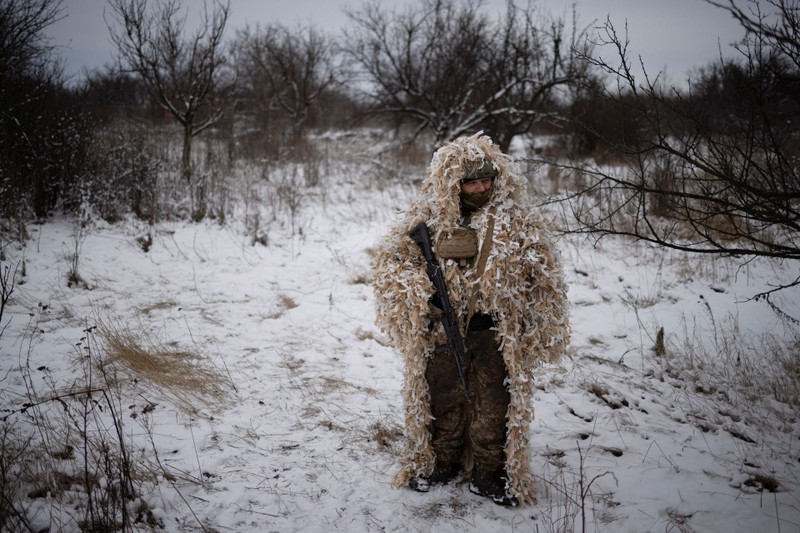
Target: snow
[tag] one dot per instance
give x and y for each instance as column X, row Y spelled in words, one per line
column 305, row 436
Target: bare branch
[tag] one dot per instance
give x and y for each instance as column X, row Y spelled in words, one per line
column 447, row 68
column 712, row 170
column 182, row 72
column 286, row 70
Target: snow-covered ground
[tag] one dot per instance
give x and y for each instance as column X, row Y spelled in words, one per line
column 305, row 433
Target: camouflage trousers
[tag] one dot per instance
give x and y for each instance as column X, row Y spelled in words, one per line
column 474, row 429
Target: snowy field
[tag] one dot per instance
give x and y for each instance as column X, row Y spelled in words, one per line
column 299, row 425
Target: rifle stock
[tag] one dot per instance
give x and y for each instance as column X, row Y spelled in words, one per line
column 455, row 342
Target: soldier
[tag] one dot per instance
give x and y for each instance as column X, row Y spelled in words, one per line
column 505, row 282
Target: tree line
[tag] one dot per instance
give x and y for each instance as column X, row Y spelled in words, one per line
column 712, row 167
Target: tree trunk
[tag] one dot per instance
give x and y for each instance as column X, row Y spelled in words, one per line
column 186, row 157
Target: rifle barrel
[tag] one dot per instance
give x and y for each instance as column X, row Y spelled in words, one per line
column 455, row 342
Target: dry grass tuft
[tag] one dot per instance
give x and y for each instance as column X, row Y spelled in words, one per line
column 386, row 434
column 361, row 278
column 158, row 306
column 187, row 378
column 287, row 302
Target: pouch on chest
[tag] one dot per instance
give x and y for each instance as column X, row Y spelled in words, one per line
column 461, row 245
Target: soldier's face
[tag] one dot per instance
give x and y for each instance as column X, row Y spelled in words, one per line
column 477, row 186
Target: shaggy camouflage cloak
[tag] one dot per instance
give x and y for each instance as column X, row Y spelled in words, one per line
column 522, row 285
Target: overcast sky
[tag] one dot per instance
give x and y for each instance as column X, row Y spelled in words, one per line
column 675, row 35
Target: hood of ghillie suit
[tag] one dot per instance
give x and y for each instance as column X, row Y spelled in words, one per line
column 522, row 286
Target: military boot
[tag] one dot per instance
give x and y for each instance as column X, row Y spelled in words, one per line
column 492, row 485
column 442, row 474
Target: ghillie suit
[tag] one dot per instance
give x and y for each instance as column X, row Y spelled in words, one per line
column 522, row 287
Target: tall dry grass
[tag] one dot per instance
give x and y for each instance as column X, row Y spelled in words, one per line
column 184, row 376
column 68, row 458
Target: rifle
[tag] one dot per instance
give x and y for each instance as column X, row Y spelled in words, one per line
column 455, row 342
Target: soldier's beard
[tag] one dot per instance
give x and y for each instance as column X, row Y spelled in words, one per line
column 476, row 200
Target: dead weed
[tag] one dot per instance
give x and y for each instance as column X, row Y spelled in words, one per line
column 187, row 377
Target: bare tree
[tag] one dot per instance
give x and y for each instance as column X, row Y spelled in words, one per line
column 285, row 71
column 716, row 170
column 183, row 73
column 23, row 46
column 781, row 32
column 449, row 69
column 536, row 71
column 36, row 116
